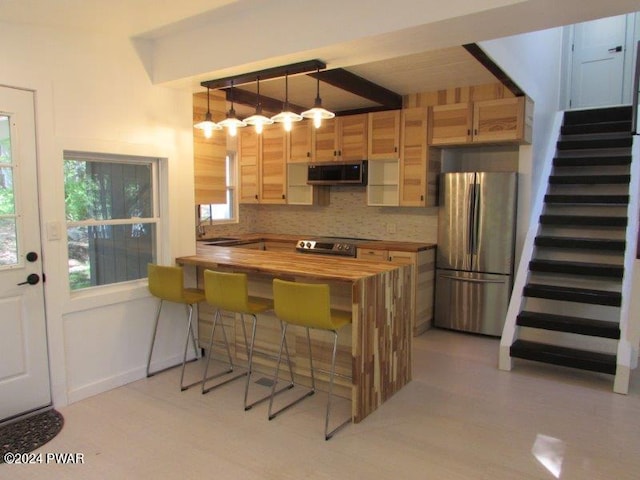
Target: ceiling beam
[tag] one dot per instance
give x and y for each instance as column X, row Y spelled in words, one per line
column 275, row 72
column 362, row 87
column 245, row 97
column 487, row 62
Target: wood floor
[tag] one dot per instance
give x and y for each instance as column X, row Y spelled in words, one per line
column 460, row 418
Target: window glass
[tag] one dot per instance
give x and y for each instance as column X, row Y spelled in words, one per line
column 8, row 219
column 111, row 224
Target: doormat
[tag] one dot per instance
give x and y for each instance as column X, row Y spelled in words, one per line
column 29, row 433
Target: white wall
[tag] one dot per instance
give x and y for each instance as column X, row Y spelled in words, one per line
column 92, row 93
column 533, row 61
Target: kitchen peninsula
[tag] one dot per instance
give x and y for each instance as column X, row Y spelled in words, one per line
column 376, row 357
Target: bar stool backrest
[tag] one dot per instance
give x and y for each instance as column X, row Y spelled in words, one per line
column 304, row 304
column 227, row 291
column 166, row 282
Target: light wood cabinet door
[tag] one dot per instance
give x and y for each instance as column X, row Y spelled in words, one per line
column 352, row 140
column 372, row 254
column 450, row 124
column 384, row 135
column 248, row 165
column 273, row 171
column 324, row 141
column 414, row 157
column 300, row 142
column 501, row 120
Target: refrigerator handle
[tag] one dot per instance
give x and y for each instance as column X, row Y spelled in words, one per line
column 471, row 194
column 476, row 216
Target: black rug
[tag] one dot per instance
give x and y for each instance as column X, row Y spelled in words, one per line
column 29, row 433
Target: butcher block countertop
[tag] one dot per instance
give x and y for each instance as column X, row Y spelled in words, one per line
column 274, row 237
column 322, row 267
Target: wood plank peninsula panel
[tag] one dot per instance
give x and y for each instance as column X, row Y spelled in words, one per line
column 381, row 336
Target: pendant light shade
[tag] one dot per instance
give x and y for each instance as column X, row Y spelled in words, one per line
column 286, row 117
column 208, row 125
column 258, row 120
column 232, row 123
column 318, row 113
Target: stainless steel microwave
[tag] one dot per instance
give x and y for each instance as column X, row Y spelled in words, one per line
column 337, row 173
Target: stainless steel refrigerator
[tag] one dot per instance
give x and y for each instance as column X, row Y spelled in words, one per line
column 476, row 241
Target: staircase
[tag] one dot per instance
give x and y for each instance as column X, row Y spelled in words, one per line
column 570, row 310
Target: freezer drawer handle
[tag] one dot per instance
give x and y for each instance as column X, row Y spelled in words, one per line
column 471, row 280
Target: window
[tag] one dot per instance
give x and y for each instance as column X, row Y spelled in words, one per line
column 112, row 217
column 222, row 212
column 8, row 216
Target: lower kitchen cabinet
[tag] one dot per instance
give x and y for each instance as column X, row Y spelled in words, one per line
column 422, row 280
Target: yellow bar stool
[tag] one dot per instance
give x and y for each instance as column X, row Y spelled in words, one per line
column 307, row 305
column 167, row 284
column 230, row 292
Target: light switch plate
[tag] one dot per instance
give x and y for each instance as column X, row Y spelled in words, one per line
column 53, row 231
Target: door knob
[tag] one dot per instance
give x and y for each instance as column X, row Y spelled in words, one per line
column 32, row 279
column 32, row 256
column 615, row 49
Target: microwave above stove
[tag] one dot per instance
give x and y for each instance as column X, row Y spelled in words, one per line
column 337, row 173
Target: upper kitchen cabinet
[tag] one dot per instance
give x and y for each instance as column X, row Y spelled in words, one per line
column 488, row 121
column 384, row 135
column 248, row 165
column 262, row 165
column 300, row 142
column 414, row 159
column 506, row 120
column 341, row 139
column 209, row 154
column 273, row 166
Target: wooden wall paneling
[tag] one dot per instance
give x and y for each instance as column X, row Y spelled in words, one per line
column 209, row 154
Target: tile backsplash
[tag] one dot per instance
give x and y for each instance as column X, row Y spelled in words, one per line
column 347, row 215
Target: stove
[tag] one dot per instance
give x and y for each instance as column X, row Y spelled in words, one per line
column 343, row 246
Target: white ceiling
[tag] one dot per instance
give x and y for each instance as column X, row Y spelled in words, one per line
column 421, row 71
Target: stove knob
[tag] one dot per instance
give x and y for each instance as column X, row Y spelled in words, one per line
column 301, row 244
column 308, row 244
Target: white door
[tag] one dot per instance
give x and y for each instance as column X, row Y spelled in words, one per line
column 597, row 75
column 24, row 364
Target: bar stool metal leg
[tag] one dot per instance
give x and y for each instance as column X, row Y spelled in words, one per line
column 153, row 340
column 310, row 392
column 205, row 379
column 268, row 396
column 190, row 335
column 327, row 434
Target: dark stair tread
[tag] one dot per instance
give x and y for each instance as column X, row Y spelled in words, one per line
column 597, row 143
column 597, row 127
column 577, row 268
column 597, row 115
column 563, row 323
column 583, row 220
column 589, row 179
column 573, row 294
column 587, row 199
column 564, row 356
column 591, row 161
column 580, row 243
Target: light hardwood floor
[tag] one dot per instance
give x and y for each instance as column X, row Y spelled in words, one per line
column 460, row 418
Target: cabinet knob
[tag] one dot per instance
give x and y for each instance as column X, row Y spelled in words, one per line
column 283, row 196
column 475, row 132
column 308, row 154
column 256, row 196
column 468, row 132
column 395, row 149
column 421, row 198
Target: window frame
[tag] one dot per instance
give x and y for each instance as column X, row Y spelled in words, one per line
column 156, row 168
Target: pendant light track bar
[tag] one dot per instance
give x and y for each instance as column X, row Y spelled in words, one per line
column 269, row 73
column 245, row 97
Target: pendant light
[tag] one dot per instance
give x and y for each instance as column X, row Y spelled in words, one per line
column 232, row 123
column 258, row 119
column 286, row 117
column 317, row 112
column 208, row 125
